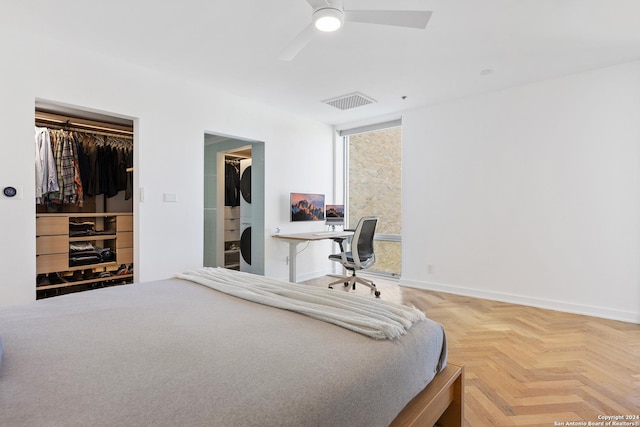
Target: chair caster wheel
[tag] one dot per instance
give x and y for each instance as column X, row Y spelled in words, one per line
column 346, row 284
column 377, row 294
column 330, row 287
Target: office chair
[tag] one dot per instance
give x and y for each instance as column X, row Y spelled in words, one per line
column 360, row 257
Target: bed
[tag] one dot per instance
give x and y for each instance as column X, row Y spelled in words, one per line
column 174, row 352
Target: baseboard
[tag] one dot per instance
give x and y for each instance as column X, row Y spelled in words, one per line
column 585, row 310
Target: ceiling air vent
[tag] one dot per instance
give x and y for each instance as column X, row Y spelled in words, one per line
column 346, row 102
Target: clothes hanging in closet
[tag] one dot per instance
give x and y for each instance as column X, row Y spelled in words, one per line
column 46, row 172
column 232, row 183
column 107, row 161
column 72, row 165
column 65, row 153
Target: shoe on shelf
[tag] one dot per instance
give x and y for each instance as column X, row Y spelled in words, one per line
column 122, row 270
column 42, row 280
column 130, row 268
column 54, row 278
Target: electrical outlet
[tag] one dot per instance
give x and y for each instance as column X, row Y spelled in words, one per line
column 430, row 269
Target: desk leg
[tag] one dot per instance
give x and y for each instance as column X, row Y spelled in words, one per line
column 293, row 252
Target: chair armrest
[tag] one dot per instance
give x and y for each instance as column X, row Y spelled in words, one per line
column 339, row 241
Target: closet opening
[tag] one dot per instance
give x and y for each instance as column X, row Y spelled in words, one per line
column 234, row 204
column 84, row 200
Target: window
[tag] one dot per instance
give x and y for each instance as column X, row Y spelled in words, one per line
column 373, row 186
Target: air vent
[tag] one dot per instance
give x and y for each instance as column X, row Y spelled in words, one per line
column 347, row 102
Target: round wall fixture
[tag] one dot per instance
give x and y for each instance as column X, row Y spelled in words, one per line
column 9, row 191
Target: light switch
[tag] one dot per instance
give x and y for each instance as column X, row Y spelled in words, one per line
column 169, row 197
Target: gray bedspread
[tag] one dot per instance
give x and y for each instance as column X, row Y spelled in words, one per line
column 175, row 353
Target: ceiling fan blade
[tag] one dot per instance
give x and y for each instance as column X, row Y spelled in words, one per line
column 296, row 46
column 398, row 18
column 315, row 4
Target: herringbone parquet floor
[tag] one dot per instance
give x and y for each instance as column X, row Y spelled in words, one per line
column 526, row 366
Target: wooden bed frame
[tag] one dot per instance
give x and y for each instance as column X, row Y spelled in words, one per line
column 441, row 402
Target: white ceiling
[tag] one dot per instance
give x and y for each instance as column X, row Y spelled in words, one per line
column 234, row 45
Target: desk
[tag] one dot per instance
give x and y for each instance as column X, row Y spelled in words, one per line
column 295, row 239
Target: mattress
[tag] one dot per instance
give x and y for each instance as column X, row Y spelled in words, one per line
column 173, row 352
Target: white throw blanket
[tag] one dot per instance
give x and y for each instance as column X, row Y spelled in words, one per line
column 369, row 316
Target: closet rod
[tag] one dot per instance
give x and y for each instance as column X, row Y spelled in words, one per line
column 62, row 126
column 86, row 124
column 236, row 156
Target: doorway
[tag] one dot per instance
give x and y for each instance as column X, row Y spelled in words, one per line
column 233, row 203
column 84, row 227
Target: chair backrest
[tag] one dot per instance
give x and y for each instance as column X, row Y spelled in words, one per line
column 362, row 243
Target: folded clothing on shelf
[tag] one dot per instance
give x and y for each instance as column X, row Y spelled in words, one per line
column 84, row 258
column 84, row 253
column 81, row 228
column 106, row 254
column 81, row 247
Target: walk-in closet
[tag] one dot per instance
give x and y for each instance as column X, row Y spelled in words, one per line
column 84, row 200
column 233, row 203
column 237, row 210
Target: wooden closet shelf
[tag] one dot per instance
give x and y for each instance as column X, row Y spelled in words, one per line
column 92, row 237
column 54, row 243
column 87, row 267
column 67, row 283
column 84, row 214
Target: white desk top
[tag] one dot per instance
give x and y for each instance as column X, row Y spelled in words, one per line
column 318, row 235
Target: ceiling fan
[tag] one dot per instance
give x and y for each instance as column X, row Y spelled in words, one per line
column 330, row 15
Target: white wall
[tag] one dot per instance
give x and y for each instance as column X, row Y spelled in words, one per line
column 529, row 195
column 171, row 117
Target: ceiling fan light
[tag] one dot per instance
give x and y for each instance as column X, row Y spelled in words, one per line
column 328, row 19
